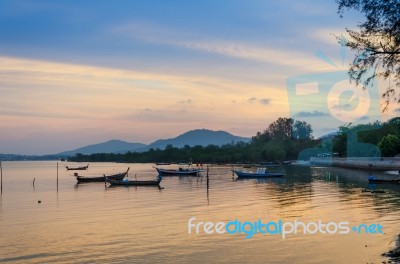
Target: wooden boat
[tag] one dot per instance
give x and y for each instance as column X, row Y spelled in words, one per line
column 261, row 172
column 163, row 163
column 78, row 168
column 180, row 172
column 126, row 182
column 117, row 177
column 372, row 179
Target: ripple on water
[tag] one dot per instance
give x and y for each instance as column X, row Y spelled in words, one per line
column 91, row 223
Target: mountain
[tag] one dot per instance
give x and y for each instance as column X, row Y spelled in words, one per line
column 328, row 136
column 201, row 137
column 112, row 146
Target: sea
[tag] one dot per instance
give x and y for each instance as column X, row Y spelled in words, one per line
column 327, row 215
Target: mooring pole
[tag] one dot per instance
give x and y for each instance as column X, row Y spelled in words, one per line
column 1, row 172
column 208, row 186
column 57, row 176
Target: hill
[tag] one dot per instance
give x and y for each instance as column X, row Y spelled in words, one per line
column 203, row 137
column 112, row 146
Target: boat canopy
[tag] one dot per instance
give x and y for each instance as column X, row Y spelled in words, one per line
column 261, row 171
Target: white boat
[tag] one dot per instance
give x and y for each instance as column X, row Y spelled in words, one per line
column 261, row 172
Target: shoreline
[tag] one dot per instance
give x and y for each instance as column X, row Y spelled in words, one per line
column 367, row 163
column 394, row 254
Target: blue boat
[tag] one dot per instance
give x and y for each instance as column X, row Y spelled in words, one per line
column 395, row 180
column 260, row 173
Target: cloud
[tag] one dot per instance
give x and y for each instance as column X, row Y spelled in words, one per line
column 160, row 35
column 311, row 114
column 188, row 101
column 251, row 100
column 328, row 35
column 265, row 101
column 89, row 102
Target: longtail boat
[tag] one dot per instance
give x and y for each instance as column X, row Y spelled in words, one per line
column 117, row 177
column 179, row 172
column 395, row 180
column 126, row 182
column 78, row 168
column 260, row 173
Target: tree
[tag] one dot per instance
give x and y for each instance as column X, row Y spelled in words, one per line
column 389, row 145
column 281, row 129
column 376, row 44
column 302, row 130
column 273, row 151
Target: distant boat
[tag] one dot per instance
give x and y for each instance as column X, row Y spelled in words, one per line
column 287, row 162
column 180, row 171
column 261, row 172
column 117, row 177
column 126, row 182
column 163, row 163
column 372, row 179
column 78, row 168
column 268, row 164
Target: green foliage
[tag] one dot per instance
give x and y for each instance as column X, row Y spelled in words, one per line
column 302, row 130
column 362, row 140
column 390, row 145
column 376, row 43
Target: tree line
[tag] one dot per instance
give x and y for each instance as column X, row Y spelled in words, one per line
column 284, row 139
column 368, row 140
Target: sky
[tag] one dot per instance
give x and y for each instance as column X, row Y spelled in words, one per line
column 74, row 73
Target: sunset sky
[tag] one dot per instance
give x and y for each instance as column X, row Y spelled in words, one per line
column 75, row 73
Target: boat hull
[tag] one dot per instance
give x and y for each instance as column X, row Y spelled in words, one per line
column 184, row 172
column 78, row 168
column 115, row 177
column 384, row 181
column 135, row 183
column 242, row 174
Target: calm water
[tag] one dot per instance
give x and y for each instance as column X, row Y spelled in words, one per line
column 90, row 223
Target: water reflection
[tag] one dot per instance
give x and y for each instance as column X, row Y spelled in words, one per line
column 280, row 180
column 93, row 223
column 1, row 207
column 89, row 185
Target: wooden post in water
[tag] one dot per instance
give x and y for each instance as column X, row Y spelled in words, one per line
column 57, row 176
column 1, row 172
column 208, row 186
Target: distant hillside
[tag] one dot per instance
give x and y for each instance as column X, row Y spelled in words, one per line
column 112, row 146
column 329, row 135
column 203, row 137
